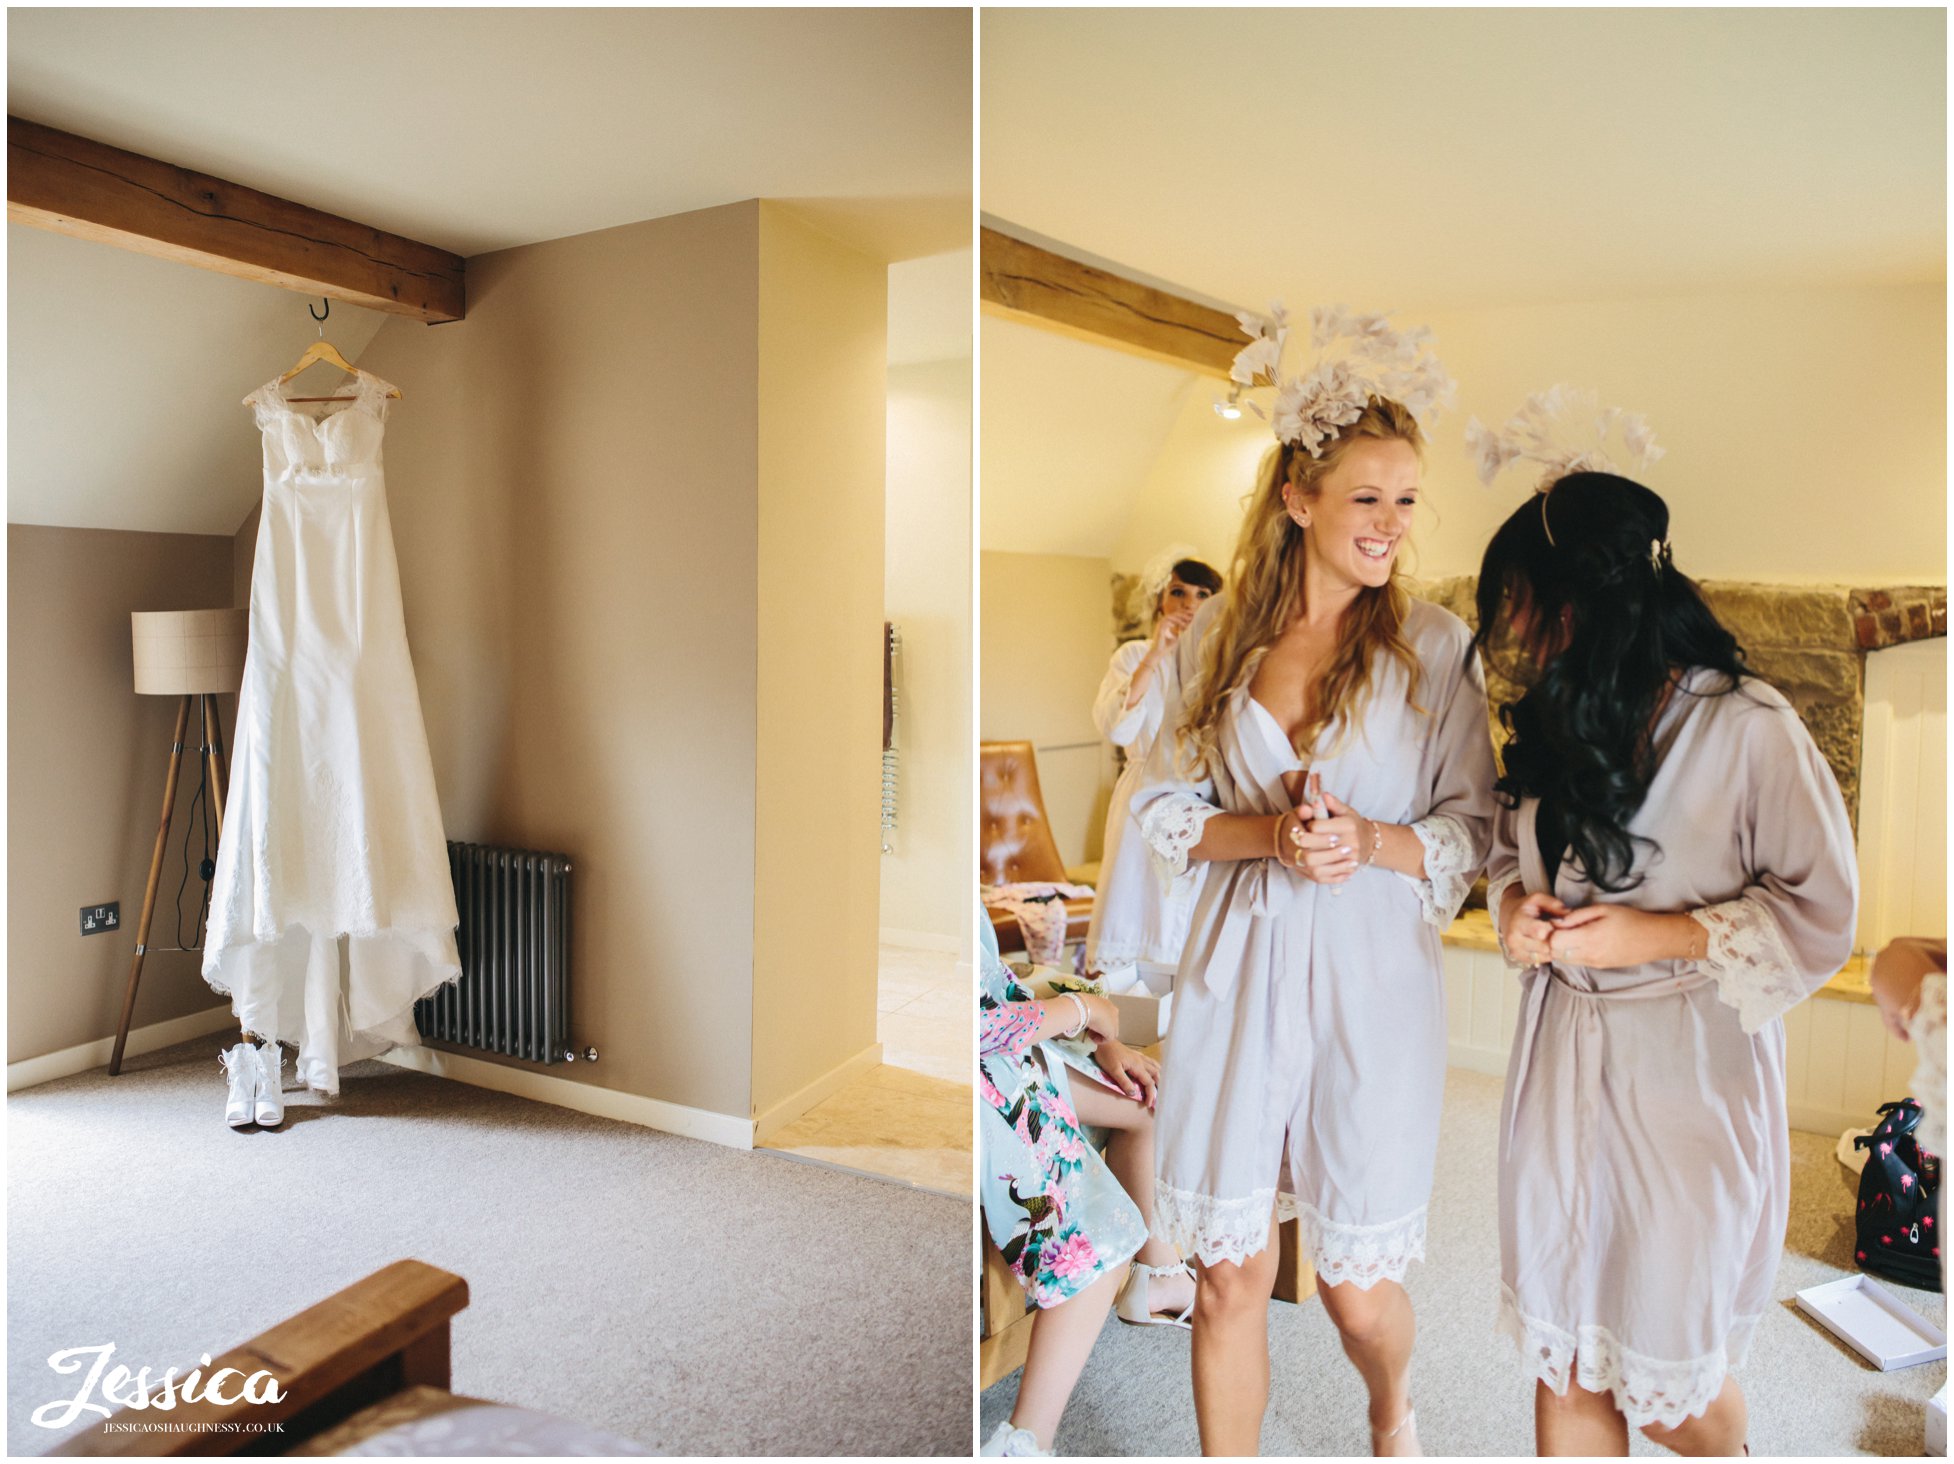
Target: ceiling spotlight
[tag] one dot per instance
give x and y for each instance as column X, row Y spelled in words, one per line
column 1231, row 409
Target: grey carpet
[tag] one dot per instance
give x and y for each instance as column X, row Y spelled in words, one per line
column 694, row 1298
column 1809, row 1394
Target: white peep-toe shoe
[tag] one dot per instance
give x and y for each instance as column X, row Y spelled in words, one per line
column 1133, row 1303
column 1013, row 1443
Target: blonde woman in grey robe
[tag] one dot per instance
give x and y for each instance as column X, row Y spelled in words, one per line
column 1330, row 764
column 1678, row 871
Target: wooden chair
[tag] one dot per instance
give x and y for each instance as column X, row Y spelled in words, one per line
column 1014, row 838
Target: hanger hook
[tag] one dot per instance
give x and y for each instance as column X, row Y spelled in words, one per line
column 326, row 300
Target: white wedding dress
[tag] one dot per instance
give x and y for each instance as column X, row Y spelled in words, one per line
column 332, row 909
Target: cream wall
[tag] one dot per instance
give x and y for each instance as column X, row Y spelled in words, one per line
column 1805, row 432
column 928, row 873
column 86, row 759
column 572, row 476
column 1047, row 635
column 822, row 400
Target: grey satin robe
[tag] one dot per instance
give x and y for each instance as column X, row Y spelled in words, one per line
column 1645, row 1167
column 1306, row 1061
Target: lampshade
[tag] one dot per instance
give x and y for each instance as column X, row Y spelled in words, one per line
column 181, row 652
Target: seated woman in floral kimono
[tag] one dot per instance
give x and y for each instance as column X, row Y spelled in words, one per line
column 1065, row 1220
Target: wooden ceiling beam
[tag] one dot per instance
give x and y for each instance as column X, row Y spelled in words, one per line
column 72, row 185
column 1020, row 281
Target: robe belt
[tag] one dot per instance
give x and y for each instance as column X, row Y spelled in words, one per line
column 1587, row 1031
column 1258, row 889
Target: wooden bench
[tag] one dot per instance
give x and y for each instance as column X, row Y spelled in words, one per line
column 375, row 1339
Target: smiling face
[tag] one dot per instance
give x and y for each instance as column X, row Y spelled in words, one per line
column 1359, row 514
column 1180, row 597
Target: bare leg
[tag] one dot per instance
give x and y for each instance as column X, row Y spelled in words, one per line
column 1130, row 1157
column 1718, row 1431
column 1231, row 1351
column 1061, row 1341
column 1577, row 1423
column 1378, row 1329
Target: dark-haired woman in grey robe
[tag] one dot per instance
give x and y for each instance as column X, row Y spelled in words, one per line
column 1645, row 1156
column 1672, row 869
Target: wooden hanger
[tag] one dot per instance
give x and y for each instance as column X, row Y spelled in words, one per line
column 324, row 350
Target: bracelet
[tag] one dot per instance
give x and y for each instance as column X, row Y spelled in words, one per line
column 1377, row 841
column 1281, row 818
column 1078, row 1001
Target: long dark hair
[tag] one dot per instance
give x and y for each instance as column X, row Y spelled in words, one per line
column 1583, row 557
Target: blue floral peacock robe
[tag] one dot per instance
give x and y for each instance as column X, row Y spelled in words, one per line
column 1053, row 1208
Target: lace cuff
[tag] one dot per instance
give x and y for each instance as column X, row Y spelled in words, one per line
column 1646, row 1389
column 1495, row 897
column 1449, row 867
column 1171, row 826
column 1749, row 961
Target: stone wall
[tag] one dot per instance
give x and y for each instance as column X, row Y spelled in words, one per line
column 1808, row 641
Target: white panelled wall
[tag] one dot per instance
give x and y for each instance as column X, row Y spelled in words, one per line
column 1903, row 795
column 1840, row 1064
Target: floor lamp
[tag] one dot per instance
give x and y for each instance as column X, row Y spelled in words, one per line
column 193, row 655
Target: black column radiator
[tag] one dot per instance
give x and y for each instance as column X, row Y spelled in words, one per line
column 514, row 993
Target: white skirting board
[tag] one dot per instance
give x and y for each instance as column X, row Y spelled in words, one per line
column 776, row 1118
column 671, row 1118
column 1840, row 1064
column 922, row 940
column 153, row 1038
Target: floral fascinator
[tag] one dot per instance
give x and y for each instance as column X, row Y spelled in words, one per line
column 1358, row 356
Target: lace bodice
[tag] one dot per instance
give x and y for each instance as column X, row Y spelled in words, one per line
column 337, row 440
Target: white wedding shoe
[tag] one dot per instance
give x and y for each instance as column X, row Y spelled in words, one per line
column 240, row 1065
column 269, row 1101
column 1013, row 1443
column 1133, row 1304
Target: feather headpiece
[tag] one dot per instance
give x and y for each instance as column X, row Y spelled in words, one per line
column 1358, row 356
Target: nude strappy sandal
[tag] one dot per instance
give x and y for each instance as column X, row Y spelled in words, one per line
column 1133, row 1302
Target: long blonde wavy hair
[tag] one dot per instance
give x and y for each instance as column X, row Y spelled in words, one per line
column 1266, row 594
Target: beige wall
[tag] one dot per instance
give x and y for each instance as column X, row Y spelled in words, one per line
column 1806, row 432
column 822, row 405
column 86, row 759
column 1046, row 634
column 572, row 483
column 927, row 878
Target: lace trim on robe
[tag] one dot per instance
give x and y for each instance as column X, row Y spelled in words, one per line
column 1214, row 1230
column 1450, row 867
column 1171, row 826
column 1646, row 1389
column 1749, row 961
